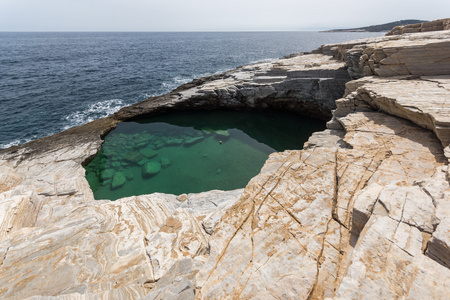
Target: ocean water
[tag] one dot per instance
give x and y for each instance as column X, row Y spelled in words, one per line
column 50, row 82
column 193, row 151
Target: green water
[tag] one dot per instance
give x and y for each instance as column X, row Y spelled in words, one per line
column 194, row 151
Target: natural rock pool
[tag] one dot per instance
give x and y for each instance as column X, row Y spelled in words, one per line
column 193, row 151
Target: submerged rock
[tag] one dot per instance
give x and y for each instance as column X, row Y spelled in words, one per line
column 106, row 182
column 116, row 165
column 118, row 180
column 129, row 175
column 142, row 141
column 134, row 156
column 222, row 134
column 192, row 141
column 174, row 142
column 107, row 174
column 140, row 145
column 158, row 145
column 165, row 162
column 148, row 152
column 151, row 168
column 142, row 162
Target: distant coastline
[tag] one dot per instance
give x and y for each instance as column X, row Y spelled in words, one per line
column 378, row 28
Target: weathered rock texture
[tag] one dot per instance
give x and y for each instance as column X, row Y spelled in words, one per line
column 307, row 83
column 443, row 24
column 350, row 216
column 412, row 54
column 361, row 213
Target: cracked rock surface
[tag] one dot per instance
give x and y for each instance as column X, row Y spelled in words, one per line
column 339, row 222
column 362, row 212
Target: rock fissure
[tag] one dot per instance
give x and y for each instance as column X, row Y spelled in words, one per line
column 319, row 258
column 288, row 212
column 400, row 248
column 229, row 241
column 278, row 180
column 298, row 242
column 148, row 255
column 4, row 256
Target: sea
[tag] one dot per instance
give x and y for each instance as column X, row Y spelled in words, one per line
column 52, row 81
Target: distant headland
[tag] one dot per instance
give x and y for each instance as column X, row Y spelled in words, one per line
column 378, row 28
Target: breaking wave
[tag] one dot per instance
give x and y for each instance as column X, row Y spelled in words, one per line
column 93, row 112
column 15, row 143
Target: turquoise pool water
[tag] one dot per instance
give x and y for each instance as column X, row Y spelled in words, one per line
column 193, row 151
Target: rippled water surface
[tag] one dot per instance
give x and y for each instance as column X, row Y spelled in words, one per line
column 53, row 81
column 190, row 152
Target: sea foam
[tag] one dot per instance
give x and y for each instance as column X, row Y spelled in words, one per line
column 95, row 111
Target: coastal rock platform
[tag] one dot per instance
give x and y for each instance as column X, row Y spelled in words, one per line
column 362, row 212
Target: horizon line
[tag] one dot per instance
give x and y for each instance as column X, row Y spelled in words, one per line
column 163, row 31
column 178, row 31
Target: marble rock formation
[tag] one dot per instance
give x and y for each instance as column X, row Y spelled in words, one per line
column 362, row 212
column 437, row 25
column 353, row 215
column 416, row 54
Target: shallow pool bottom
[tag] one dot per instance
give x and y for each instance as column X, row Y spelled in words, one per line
column 193, row 151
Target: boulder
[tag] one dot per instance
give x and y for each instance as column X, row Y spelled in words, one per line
column 134, row 156
column 129, row 175
column 118, row 180
column 148, row 152
column 107, row 174
column 151, row 168
column 165, row 162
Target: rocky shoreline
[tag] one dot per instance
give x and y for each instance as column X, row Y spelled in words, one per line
column 361, row 212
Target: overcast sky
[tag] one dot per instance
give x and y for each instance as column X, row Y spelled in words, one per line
column 210, row 15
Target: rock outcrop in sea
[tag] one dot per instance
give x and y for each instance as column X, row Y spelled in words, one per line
column 362, row 212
